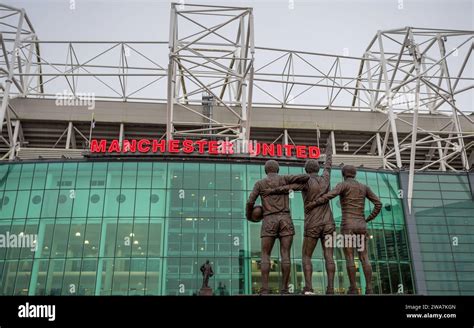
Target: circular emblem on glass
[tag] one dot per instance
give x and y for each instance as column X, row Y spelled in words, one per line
column 121, row 198
column 36, row 199
column 62, row 199
column 154, row 198
column 95, row 198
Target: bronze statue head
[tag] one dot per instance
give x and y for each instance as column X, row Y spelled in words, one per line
column 349, row 171
column 311, row 166
column 271, row 166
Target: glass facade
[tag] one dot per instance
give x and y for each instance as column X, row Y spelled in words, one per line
column 145, row 228
column 444, row 214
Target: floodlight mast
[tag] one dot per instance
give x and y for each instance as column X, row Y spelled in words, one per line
column 194, row 69
column 18, row 51
column 419, row 62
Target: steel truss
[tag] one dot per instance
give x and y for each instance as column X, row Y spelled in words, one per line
column 214, row 60
column 210, row 80
column 415, row 68
column 18, row 52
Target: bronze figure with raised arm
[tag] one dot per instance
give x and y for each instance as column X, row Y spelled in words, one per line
column 276, row 223
column 318, row 222
column 352, row 196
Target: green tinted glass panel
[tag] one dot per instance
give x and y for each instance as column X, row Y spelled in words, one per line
column 144, row 228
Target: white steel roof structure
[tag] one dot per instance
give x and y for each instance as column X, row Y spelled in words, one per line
column 213, row 79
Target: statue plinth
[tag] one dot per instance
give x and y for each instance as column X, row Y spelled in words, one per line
column 205, row 291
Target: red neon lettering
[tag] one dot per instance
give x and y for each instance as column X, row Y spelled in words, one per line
column 201, row 144
column 188, row 146
column 268, row 149
column 313, row 152
column 279, row 150
column 173, row 146
column 129, row 146
column 98, row 147
column 255, row 151
column 301, row 152
column 229, row 147
column 144, row 146
column 114, row 146
column 212, row 147
column 225, row 147
column 158, row 145
column 288, row 150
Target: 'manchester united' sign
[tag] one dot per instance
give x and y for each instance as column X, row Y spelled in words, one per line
column 208, row 147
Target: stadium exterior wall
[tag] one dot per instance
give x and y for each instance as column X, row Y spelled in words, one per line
column 139, row 227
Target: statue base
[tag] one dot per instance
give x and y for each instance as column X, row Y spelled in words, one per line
column 205, row 291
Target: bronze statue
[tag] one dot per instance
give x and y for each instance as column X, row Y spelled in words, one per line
column 318, row 222
column 277, row 222
column 352, row 197
column 206, row 270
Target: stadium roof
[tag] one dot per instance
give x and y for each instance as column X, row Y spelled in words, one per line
column 400, row 104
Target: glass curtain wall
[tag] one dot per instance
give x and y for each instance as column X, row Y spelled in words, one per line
column 145, row 228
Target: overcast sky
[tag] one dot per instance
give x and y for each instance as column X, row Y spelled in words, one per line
column 312, row 25
column 334, row 26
